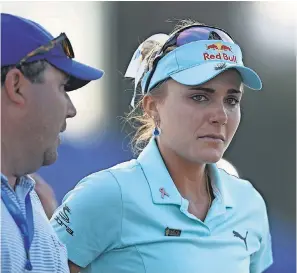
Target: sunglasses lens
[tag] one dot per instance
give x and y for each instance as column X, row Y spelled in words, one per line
column 67, row 48
column 202, row 33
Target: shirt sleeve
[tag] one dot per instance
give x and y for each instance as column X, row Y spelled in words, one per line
column 263, row 258
column 89, row 220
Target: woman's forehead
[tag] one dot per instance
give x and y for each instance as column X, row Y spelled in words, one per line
column 229, row 79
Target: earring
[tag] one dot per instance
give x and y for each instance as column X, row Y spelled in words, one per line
column 157, row 130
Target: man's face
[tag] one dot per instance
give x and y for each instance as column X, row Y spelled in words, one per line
column 47, row 109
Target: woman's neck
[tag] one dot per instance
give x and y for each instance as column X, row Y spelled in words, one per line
column 189, row 177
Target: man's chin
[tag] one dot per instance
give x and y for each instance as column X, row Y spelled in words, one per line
column 50, row 158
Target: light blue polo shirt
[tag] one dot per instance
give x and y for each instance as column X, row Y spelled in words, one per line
column 132, row 219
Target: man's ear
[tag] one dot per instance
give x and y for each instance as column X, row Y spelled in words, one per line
column 14, row 85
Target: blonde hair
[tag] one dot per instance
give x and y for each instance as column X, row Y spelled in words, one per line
column 139, row 120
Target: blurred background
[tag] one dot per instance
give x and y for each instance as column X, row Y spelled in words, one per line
column 106, row 34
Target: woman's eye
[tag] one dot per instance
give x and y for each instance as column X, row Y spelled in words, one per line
column 199, row 98
column 232, row 101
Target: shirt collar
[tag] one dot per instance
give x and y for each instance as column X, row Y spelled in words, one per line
column 219, row 186
column 159, row 178
column 25, row 183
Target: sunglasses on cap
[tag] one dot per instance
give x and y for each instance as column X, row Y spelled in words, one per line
column 187, row 35
column 61, row 39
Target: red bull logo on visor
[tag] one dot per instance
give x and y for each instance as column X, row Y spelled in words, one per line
column 223, row 54
column 219, row 47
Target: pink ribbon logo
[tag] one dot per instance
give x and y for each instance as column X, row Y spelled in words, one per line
column 163, row 193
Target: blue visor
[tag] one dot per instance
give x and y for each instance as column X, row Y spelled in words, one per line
column 198, row 62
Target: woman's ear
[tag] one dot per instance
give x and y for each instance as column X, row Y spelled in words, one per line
column 149, row 104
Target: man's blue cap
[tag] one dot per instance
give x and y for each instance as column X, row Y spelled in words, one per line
column 20, row 36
